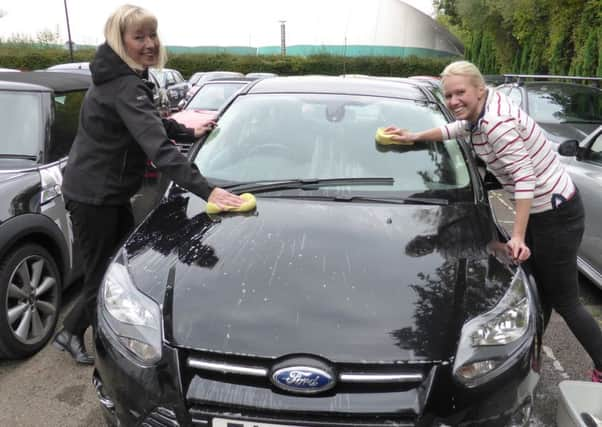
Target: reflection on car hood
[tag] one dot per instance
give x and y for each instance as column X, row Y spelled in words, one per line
column 558, row 132
column 193, row 118
column 9, row 166
column 347, row 281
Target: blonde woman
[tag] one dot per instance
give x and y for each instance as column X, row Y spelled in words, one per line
column 119, row 130
column 549, row 221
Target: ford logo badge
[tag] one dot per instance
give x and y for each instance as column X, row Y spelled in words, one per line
column 303, row 379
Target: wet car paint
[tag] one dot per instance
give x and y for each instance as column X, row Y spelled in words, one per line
column 317, row 272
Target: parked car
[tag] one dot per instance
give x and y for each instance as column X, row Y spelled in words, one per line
column 160, row 97
column 200, row 78
column 564, row 109
column 71, row 67
column 584, row 163
column 210, row 97
column 260, row 75
column 5, row 70
column 172, row 84
column 37, row 257
column 365, row 289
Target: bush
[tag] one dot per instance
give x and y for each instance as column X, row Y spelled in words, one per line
column 31, row 57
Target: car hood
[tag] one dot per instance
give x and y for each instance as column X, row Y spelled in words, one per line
column 559, row 132
column 350, row 282
column 194, row 118
column 9, row 168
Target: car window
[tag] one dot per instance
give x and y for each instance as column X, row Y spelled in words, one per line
column 330, row 136
column 169, row 78
column 516, row 97
column 178, row 77
column 21, row 123
column 64, row 128
column 557, row 103
column 594, row 154
column 213, row 96
column 160, row 77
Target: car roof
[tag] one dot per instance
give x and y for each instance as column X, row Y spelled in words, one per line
column 397, row 88
column 56, row 81
column 229, row 80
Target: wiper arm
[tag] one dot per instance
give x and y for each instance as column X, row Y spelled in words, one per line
column 400, row 201
column 393, row 201
column 18, row 156
column 303, row 184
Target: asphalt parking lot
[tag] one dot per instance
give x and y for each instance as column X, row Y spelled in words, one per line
column 50, row 390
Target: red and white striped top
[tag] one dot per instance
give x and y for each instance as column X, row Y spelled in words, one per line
column 515, row 150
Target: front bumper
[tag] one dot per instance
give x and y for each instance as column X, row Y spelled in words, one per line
column 173, row 394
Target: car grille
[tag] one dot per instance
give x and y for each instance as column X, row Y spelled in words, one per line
column 203, row 416
column 238, row 388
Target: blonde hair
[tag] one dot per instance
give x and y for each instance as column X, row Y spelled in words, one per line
column 124, row 17
column 465, row 69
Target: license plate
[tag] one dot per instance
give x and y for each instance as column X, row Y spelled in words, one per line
column 220, row 422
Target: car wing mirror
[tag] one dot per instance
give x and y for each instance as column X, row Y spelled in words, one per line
column 569, row 148
column 490, row 182
column 181, row 104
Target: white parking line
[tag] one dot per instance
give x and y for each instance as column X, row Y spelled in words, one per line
column 555, row 362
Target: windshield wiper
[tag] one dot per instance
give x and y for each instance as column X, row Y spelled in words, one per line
column 584, row 121
column 393, row 201
column 303, row 184
column 18, row 156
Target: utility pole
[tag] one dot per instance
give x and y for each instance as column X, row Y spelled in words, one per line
column 68, row 32
column 282, row 38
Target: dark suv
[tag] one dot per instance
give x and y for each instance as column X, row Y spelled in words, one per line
column 37, row 259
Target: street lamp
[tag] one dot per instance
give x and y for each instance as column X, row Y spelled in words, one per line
column 282, row 38
column 68, row 32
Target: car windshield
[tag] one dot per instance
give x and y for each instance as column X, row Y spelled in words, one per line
column 319, row 136
column 560, row 103
column 212, row 96
column 159, row 76
column 21, row 123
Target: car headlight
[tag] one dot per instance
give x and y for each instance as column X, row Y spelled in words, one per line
column 489, row 339
column 134, row 318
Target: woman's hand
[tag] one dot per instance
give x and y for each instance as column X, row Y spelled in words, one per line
column 224, row 199
column 519, row 251
column 400, row 134
column 204, row 128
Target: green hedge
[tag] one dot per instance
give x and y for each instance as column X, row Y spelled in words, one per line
column 28, row 57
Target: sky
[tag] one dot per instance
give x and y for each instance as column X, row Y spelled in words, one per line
column 181, row 22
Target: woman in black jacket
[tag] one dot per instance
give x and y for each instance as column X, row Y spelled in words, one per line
column 119, row 129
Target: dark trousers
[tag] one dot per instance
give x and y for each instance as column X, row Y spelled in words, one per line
column 554, row 237
column 98, row 231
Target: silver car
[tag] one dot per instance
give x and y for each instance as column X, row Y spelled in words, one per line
column 584, row 163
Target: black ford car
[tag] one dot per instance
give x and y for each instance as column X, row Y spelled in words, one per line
column 38, row 120
column 369, row 287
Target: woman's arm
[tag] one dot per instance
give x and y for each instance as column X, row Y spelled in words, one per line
column 434, row 134
column 519, row 250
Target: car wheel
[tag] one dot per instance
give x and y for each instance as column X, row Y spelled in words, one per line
column 30, row 297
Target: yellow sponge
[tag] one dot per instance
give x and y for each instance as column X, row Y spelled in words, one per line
column 248, row 205
column 383, row 138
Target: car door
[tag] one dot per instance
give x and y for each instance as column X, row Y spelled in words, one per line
column 66, row 107
column 586, row 172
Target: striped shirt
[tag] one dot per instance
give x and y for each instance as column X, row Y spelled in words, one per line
column 515, row 150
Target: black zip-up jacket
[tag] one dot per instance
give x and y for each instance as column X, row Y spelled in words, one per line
column 119, row 129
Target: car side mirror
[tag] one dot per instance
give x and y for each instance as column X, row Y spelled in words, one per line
column 569, row 148
column 181, row 104
column 490, row 182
